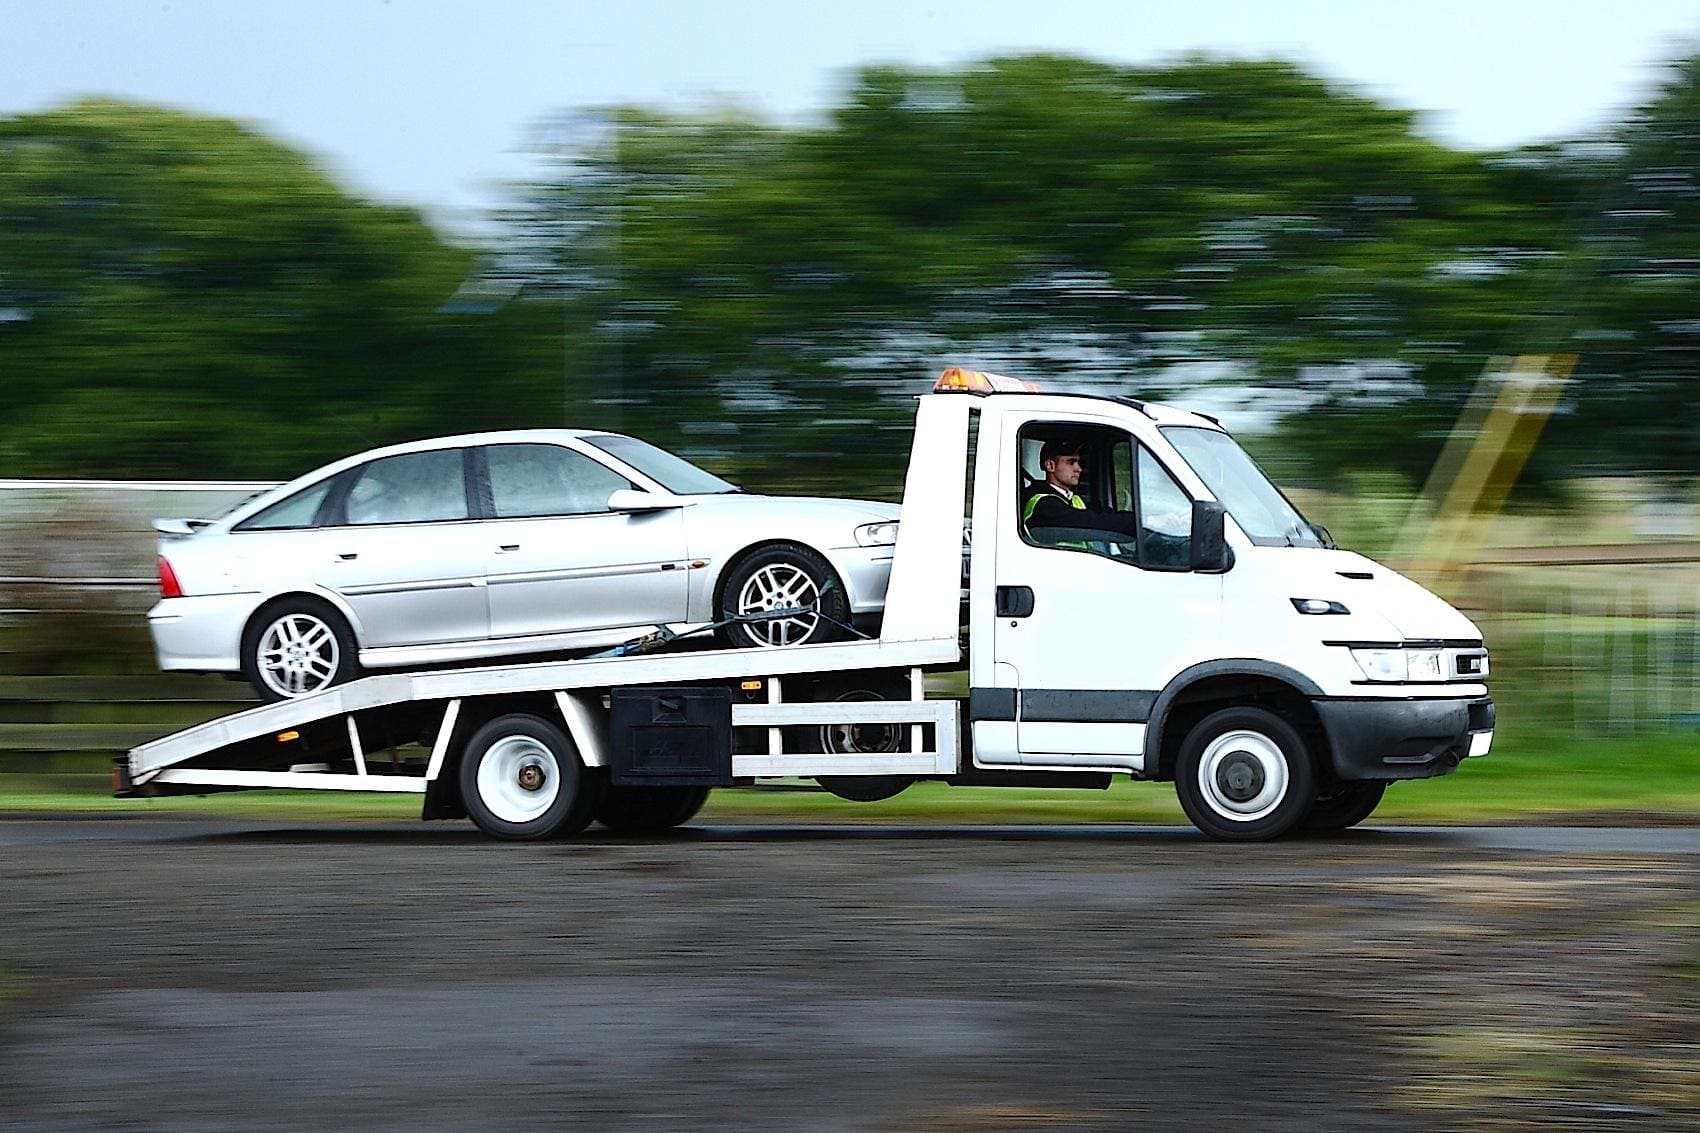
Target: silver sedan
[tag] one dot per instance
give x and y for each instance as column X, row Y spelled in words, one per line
column 502, row 544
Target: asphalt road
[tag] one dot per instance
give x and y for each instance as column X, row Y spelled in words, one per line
column 187, row 974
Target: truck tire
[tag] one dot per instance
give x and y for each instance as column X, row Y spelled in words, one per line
column 783, row 575
column 1244, row 775
column 648, row 810
column 521, row 779
column 298, row 646
column 847, row 739
column 1343, row 808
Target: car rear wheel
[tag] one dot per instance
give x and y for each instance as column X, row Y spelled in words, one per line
column 782, row 595
column 296, row 647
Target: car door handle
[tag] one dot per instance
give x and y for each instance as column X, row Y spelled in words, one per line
column 349, row 557
column 1014, row 601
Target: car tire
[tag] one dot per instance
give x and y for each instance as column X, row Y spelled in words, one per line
column 648, row 810
column 783, row 575
column 521, row 779
column 1244, row 775
column 1343, row 808
column 847, row 739
column 296, row 647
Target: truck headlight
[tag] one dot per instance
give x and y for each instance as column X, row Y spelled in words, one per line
column 1401, row 665
column 882, row 534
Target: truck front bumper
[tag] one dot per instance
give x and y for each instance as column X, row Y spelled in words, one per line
column 1404, row 739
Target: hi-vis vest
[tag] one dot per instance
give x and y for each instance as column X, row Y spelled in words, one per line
column 1074, row 501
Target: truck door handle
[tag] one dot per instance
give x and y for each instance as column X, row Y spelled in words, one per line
column 349, row 557
column 507, row 548
column 1015, row 601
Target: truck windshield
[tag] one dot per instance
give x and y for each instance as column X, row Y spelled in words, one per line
column 674, row 473
column 1266, row 516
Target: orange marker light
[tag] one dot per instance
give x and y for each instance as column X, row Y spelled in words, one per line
column 285, row 737
column 749, row 686
column 958, row 380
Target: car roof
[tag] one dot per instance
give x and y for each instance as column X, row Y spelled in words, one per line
column 493, row 437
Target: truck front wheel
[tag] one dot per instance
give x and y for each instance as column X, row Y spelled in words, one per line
column 1244, row 775
column 521, row 779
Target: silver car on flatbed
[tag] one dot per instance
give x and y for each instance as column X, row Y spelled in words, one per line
column 500, row 544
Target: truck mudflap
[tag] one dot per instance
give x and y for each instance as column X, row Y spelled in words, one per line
column 1404, row 739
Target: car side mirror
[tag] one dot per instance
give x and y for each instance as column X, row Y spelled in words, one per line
column 1210, row 551
column 630, row 499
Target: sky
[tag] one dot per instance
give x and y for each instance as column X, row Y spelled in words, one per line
column 431, row 103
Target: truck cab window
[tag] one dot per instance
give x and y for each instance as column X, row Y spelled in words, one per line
column 1165, row 518
column 1094, row 489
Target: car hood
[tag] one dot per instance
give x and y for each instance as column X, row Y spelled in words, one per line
column 823, row 510
column 1413, row 612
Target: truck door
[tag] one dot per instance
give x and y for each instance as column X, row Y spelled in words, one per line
column 1095, row 619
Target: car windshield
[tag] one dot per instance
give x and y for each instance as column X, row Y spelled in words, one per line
column 674, row 473
column 1266, row 516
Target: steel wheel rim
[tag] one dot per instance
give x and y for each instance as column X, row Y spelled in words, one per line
column 779, row 586
column 508, row 765
column 298, row 654
column 853, row 739
column 1242, row 775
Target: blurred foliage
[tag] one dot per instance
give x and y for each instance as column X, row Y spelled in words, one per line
column 1094, row 226
column 181, row 296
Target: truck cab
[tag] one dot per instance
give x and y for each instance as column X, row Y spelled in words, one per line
column 1213, row 636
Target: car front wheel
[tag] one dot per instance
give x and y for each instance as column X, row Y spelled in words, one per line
column 782, row 595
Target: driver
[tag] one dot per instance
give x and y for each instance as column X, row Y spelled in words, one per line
column 1055, row 503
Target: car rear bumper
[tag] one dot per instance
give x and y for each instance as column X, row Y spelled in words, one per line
column 202, row 633
column 1405, row 739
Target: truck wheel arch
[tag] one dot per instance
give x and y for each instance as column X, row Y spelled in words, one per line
column 1231, row 680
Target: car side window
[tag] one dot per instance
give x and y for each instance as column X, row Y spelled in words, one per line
column 295, row 511
column 416, row 487
column 542, row 480
column 1165, row 517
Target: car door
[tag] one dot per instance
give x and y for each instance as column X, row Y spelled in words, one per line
column 1102, row 621
column 401, row 550
column 558, row 560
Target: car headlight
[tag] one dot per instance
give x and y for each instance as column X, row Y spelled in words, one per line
column 882, row 534
column 1401, row 665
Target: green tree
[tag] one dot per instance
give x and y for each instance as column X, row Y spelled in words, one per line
column 1065, row 219
column 180, row 295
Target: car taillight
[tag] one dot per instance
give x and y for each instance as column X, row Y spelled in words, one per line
column 168, row 584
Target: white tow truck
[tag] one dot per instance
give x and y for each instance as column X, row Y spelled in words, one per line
column 1214, row 638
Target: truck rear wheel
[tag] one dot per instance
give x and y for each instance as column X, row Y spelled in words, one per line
column 649, row 810
column 864, row 739
column 1244, row 775
column 521, row 779
column 1343, row 808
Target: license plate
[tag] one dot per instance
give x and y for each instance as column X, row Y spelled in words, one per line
column 1480, row 742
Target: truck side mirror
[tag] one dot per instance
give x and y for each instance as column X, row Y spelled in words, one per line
column 1210, row 551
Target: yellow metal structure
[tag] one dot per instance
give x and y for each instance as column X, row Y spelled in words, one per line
column 1482, row 459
